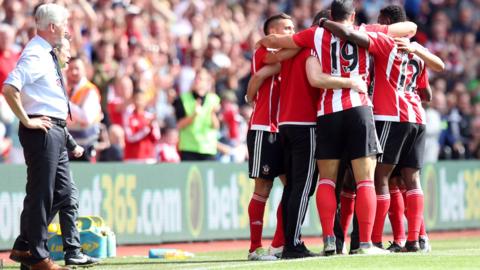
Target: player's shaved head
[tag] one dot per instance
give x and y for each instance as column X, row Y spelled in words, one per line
column 271, row 22
column 340, row 10
column 392, row 14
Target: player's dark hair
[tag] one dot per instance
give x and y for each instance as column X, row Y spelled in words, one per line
column 341, row 9
column 325, row 13
column 394, row 13
column 272, row 19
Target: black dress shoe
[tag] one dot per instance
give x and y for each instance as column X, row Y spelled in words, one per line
column 80, row 259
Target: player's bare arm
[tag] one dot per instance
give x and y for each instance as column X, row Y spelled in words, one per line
column 318, row 79
column 280, row 55
column 12, row 96
column 431, row 60
column 277, row 41
column 343, row 32
column 425, row 94
column 402, row 29
column 257, row 79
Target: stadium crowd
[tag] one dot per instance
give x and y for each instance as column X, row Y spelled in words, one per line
column 142, row 55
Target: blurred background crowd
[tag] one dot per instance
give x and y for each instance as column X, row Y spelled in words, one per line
column 142, row 55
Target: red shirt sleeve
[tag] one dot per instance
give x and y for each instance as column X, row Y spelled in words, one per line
column 380, row 44
column 377, row 28
column 258, row 59
column 305, row 38
column 422, row 81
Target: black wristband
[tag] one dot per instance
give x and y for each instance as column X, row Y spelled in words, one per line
column 322, row 21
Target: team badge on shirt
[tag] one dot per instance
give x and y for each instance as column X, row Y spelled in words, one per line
column 266, row 169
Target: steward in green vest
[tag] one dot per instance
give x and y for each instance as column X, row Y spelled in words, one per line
column 198, row 128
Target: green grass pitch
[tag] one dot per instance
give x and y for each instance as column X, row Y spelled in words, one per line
column 455, row 254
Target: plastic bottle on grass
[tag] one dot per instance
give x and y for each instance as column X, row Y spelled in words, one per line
column 169, row 254
column 178, row 255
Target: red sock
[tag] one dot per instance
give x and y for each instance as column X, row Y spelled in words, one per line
column 347, row 206
column 326, row 205
column 422, row 228
column 256, row 209
column 383, row 203
column 365, row 209
column 279, row 237
column 415, row 213
column 395, row 214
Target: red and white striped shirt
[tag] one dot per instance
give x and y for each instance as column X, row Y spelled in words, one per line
column 265, row 112
column 397, row 77
column 298, row 99
column 339, row 58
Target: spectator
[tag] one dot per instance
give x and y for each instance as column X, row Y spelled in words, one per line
column 167, row 148
column 85, row 106
column 119, row 98
column 451, row 144
column 474, row 144
column 232, row 131
column 8, row 53
column 198, row 123
column 434, row 127
column 141, row 132
column 105, row 68
column 116, row 138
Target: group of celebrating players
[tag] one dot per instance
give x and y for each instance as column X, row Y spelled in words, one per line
column 338, row 108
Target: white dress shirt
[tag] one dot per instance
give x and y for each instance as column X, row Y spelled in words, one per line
column 36, row 77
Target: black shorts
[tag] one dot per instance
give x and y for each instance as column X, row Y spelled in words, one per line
column 349, row 134
column 403, row 143
column 265, row 154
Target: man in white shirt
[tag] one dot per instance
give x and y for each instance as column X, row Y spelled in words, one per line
column 36, row 94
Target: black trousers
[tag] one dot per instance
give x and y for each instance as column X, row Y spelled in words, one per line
column 192, row 156
column 301, row 173
column 68, row 216
column 48, row 189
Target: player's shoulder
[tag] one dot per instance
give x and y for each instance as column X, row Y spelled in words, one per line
column 381, row 36
column 260, row 51
column 309, row 32
column 259, row 55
